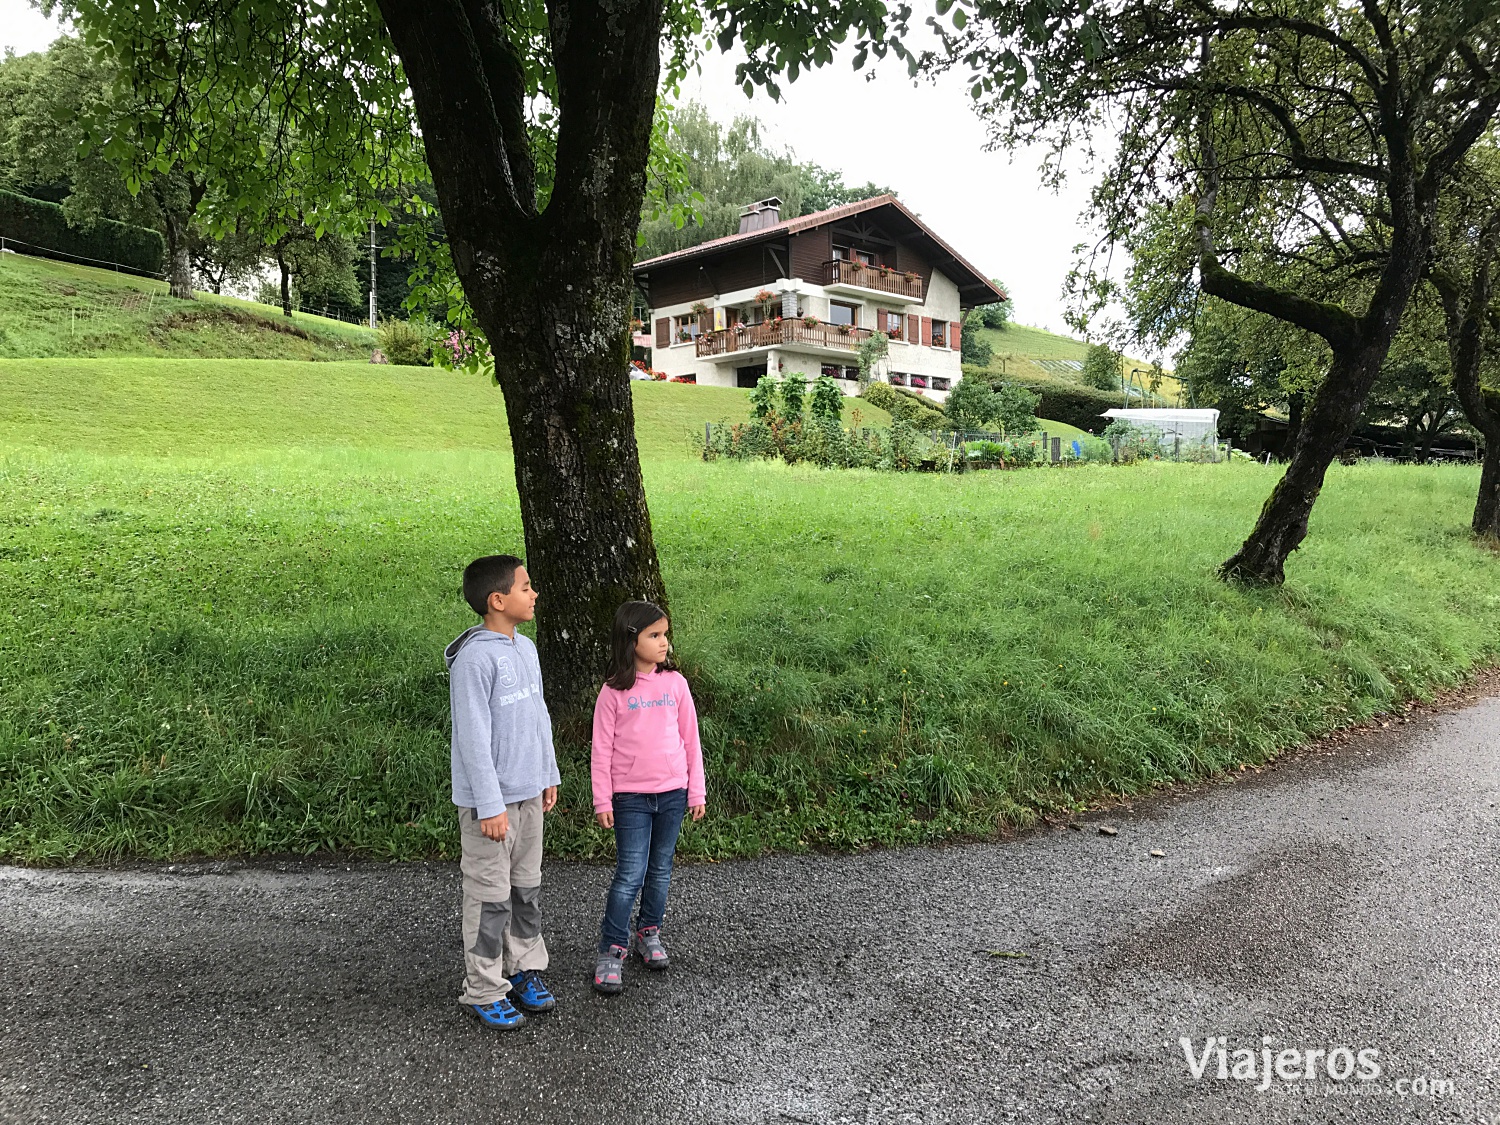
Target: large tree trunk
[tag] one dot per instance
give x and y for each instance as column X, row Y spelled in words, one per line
column 1466, row 311
column 552, row 291
column 286, row 283
column 179, row 261
column 1326, row 426
column 1487, row 508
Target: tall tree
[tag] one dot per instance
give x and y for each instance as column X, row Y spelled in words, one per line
column 536, row 121
column 1259, row 129
column 1462, row 272
column 724, row 168
column 56, row 103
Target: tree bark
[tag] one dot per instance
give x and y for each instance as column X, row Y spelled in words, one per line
column 1487, row 508
column 1329, row 420
column 1469, row 321
column 1359, row 345
column 552, row 290
column 286, row 283
column 179, row 262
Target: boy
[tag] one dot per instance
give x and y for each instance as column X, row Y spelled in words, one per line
column 504, row 778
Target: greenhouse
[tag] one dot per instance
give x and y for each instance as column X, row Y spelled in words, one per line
column 1200, row 427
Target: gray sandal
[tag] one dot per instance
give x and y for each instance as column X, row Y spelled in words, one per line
column 648, row 945
column 609, row 970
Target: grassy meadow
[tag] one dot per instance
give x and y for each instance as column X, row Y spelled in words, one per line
column 229, row 585
column 58, row 309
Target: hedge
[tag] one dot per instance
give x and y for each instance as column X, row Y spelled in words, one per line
column 1072, row 403
column 905, row 405
column 43, row 227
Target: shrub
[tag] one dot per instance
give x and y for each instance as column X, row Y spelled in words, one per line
column 827, row 400
column 1095, row 449
column 1063, row 401
column 1015, row 408
column 43, row 226
column 794, row 393
column 1131, row 443
column 975, row 349
column 971, row 405
column 1101, row 368
column 906, row 406
column 405, row 342
column 763, row 397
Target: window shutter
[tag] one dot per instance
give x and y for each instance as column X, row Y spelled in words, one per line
column 913, row 326
column 953, row 329
column 927, row 331
column 879, row 320
column 663, row 331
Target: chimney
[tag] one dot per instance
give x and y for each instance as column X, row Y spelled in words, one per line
column 761, row 214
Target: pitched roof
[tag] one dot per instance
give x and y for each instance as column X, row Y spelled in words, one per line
column 973, row 287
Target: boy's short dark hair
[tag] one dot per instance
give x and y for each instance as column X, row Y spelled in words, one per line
column 491, row 574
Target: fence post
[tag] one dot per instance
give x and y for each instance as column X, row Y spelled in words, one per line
column 1177, row 447
column 1056, row 450
column 708, row 434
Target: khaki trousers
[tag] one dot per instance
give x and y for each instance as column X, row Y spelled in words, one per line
column 502, row 883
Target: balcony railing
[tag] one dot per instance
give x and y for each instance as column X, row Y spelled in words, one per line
column 844, row 271
column 780, row 333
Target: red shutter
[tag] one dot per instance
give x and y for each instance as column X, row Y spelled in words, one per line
column 663, row 332
column 927, row 331
column 953, row 328
column 879, row 320
column 913, row 327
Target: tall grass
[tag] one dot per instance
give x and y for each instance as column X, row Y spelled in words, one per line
column 240, row 650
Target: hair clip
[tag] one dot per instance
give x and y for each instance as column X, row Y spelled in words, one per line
column 631, row 629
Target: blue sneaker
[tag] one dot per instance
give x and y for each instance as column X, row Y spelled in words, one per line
column 501, row 1014
column 530, row 994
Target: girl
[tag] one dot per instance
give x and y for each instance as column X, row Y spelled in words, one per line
column 647, row 769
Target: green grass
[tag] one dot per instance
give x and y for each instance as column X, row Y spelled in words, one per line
column 225, row 629
column 1019, row 347
column 58, row 309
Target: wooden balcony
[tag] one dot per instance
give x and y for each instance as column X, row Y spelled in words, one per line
column 780, row 334
column 842, row 272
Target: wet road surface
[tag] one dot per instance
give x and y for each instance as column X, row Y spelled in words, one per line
column 1348, row 898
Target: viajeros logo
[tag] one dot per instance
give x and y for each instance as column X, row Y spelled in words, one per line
column 1261, row 1065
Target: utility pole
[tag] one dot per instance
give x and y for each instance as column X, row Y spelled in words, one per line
column 372, row 273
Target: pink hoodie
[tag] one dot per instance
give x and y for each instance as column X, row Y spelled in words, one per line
column 646, row 740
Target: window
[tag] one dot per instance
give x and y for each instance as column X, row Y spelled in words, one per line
column 889, row 322
column 851, row 373
column 940, row 384
column 832, row 370
column 840, row 313
column 747, row 377
column 940, row 333
column 898, row 378
column 919, row 381
column 686, row 327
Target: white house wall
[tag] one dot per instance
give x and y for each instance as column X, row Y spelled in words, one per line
column 941, row 303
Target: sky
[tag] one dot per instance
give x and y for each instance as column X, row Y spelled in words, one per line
column 922, row 140
column 990, row 206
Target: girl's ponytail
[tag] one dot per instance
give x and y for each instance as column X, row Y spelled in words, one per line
column 630, row 619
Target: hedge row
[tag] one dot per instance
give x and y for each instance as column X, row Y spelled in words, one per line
column 1073, row 403
column 906, row 405
column 43, row 226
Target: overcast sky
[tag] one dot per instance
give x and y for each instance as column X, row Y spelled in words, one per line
column 921, row 140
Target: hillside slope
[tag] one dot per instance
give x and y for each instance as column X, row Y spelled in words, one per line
column 57, row 309
column 193, row 407
column 1036, row 354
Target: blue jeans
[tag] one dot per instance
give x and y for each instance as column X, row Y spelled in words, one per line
column 646, row 827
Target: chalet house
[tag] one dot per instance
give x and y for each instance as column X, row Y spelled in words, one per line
column 786, row 295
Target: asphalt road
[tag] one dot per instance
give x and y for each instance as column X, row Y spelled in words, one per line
column 1347, row 898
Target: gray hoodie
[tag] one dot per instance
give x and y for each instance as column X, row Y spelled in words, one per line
column 502, row 734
